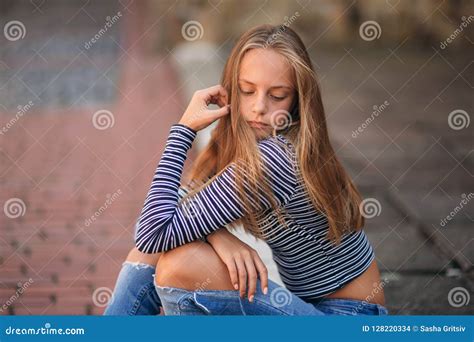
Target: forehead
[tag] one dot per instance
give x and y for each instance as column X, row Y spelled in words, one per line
column 266, row 67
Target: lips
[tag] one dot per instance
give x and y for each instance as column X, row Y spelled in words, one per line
column 257, row 124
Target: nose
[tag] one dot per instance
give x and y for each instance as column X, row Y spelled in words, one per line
column 260, row 105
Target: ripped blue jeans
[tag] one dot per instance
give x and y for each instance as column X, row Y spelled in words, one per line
column 134, row 292
column 137, row 294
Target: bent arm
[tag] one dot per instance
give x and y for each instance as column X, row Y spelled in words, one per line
column 166, row 223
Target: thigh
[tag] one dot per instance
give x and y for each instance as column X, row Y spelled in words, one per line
column 193, row 266
column 278, row 301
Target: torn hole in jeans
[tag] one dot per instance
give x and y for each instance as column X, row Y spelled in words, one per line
column 138, row 265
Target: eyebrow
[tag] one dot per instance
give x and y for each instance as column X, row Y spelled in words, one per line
column 273, row 87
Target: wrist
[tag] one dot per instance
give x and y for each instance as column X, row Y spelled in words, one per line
column 210, row 237
column 184, row 123
column 216, row 234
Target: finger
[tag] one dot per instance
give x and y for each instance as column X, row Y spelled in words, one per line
column 251, row 276
column 242, row 275
column 220, row 101
column 217, row 91
column 262, row 271
column 217, row 113
column 233, row 273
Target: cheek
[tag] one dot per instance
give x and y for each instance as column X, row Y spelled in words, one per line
column 279, row 106
column 245, row 108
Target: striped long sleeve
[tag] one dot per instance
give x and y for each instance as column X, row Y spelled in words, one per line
column 166, row 223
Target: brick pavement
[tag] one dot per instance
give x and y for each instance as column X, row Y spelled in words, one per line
column 64, row 169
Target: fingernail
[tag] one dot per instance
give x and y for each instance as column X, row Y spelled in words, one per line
column 265, row 290
column 236, row 286
column 251, row 298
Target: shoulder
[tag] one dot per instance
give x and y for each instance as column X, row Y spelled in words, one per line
column 277, row 147
column 278, row 152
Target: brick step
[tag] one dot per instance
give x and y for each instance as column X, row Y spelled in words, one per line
column 69, row 254
column 74, row 219
column 55, row 273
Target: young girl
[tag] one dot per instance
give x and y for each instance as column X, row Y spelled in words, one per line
column 270, row 168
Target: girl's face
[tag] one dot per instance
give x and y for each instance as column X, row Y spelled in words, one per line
column 266, row 89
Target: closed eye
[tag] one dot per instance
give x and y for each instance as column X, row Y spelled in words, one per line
column 277, row 98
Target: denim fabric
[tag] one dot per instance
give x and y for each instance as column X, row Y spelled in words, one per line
column 278, row 301
column 340, row 306
column 134, row 292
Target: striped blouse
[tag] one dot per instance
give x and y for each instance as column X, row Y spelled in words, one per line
column 309, row 265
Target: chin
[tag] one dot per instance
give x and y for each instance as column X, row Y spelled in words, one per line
column 261, row 134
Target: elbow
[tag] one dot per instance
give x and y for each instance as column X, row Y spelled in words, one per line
column 152, row 245
column 149, row 248
column 142, row 249
column 153, row 237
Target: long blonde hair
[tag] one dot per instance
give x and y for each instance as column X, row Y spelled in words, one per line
column 328, row 185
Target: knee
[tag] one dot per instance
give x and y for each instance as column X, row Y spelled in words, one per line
column 191, row 266
column 176, row 266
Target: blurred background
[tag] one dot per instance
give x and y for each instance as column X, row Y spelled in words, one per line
column 89, row 89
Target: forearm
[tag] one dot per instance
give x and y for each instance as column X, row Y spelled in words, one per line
column 222, row 237
column 160, row 205
column 221, row 233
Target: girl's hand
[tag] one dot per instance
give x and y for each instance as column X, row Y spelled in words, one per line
column 242, row 261
column 197, row 116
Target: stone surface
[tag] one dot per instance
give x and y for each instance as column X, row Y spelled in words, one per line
column 64, row 169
